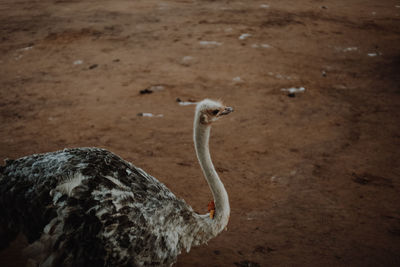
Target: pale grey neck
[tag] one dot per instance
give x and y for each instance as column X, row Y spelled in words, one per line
column 222, row 209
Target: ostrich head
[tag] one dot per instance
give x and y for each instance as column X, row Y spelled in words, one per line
column 208, row 111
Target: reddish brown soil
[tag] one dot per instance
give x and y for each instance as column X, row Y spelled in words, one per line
column 313, row 179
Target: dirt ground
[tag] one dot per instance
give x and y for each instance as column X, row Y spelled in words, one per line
column 313, row 177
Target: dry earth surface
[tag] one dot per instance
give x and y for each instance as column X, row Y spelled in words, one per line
column 313, row 177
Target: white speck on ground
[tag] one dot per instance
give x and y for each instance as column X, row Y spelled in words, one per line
column 157, row 88
column 186, row 103
column 348, row 49
column 26, row 48
column 293, row 90
column 280, row 76
column 187, row 60
column 144, row 114
column 237, row 79
column 261, row 45
column 210, row 43
column 244, row 36
column 340, row 86
column 78, row 62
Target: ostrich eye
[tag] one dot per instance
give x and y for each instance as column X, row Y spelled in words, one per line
column 215, row 111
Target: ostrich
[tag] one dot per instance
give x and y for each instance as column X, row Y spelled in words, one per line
column 89, row 207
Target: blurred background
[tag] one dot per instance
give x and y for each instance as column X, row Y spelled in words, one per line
column 310, row 157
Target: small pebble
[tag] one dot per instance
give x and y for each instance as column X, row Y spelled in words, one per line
column 146, row 91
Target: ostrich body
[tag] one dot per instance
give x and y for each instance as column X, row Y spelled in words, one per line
column 89, row 207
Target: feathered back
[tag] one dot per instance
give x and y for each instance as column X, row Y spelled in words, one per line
column 88, row 207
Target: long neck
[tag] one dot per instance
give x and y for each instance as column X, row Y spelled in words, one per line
column 222, row 209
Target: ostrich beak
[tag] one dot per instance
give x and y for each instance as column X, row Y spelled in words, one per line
column 227, row 110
